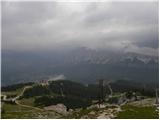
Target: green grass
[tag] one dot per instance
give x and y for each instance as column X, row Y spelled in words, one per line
column 27, row 101
column 15, row 111
column 136, row 112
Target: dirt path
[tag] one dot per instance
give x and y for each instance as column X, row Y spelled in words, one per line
column 36, row 108
column 21, row 94
column 4, row 97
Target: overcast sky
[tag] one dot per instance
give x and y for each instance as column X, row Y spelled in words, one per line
column 126, row 26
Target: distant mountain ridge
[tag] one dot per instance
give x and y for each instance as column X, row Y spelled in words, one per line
column 80, row 64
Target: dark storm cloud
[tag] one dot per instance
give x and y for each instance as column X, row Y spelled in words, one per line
column 128, row 26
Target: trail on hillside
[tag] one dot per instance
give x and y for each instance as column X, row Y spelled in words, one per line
column 23, row 105
column 21, row 94
column 36, row 108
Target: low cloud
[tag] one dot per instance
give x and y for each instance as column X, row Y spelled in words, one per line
column 57, row 77
column 118, row 26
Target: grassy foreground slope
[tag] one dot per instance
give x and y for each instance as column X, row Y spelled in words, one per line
column 138, row 112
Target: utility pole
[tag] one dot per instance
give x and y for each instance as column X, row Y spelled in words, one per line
column 100, row 93
column 157, row 97
column 61, row 84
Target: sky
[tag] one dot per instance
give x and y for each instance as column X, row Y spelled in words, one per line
column 117, row 26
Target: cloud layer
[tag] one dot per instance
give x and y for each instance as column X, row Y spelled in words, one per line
column 118, row 26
